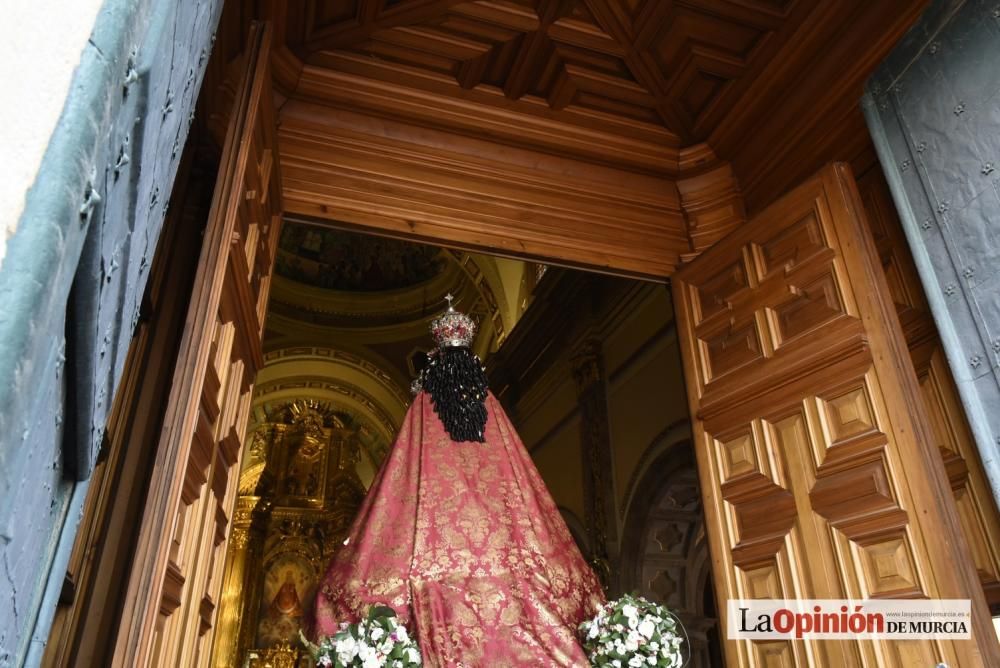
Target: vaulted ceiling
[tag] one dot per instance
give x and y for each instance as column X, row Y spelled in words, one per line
column 349, row 314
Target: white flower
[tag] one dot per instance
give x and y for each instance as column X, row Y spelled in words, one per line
column 633, row 621
column 347, row 647
column 647, row 627
column 593, row 632
column 651, row 659
column 636, row 661
column 629, row 610
column 400, row 633
column 413, row 655
column 616, row 663
column 377, row 633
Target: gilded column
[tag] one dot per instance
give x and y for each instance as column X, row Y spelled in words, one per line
column 595, row 446
column 240, row 560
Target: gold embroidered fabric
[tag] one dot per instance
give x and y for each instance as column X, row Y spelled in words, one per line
column 465, row 542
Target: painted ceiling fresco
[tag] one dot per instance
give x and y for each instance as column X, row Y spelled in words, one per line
column 339, row 260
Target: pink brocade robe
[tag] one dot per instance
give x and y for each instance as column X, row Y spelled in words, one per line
column 464, row 541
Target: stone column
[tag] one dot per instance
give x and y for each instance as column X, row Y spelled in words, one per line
column 933, row 108
column 598, row 464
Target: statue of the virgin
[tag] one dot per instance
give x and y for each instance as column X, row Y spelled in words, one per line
column 459, row 534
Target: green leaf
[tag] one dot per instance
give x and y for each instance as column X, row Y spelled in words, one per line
column 380, row 611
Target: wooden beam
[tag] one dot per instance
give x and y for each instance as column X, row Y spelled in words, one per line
column 368, row 19
column 414, row 183
column 349, row 81
column 612, row 18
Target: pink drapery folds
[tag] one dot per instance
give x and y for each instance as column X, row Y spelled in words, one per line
column 464, row 541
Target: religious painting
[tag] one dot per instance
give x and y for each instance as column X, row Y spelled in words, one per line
column 289, row 588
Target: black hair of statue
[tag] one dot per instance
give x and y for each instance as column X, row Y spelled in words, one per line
column 456, row 382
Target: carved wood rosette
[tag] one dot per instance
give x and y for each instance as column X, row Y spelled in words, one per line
column 817, row 470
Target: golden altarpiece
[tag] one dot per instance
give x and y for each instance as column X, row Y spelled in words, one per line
column 299, row 490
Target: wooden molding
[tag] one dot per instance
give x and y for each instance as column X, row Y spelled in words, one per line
column 401, row 180
column 770, row 87
column 287, row 69
column 348, row 81
column 713, row 206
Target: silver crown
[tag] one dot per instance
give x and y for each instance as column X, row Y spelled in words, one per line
column 452, row 329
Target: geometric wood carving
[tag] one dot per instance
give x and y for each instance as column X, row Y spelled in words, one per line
column 765, row 513
column 827, row 485
column 763, row 581
column 774, row 654
column 656, row 64
column 849, row 414
column 889, row 568
column 715, row 292
column 792, row 246
column 737, row 456
column 174, row 589
column 853, row 493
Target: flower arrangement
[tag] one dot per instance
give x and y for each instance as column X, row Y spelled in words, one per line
column 376, row 641
column 633, row 632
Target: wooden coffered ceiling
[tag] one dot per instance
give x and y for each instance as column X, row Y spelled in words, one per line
column 657, row 70
column 615, row 134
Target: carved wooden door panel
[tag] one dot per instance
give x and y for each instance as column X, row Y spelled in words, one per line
column 819, row 478
column 977, row 509
column 175, row 582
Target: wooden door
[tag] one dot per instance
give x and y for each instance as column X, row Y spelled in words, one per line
column 174, row 586
column 819, row 473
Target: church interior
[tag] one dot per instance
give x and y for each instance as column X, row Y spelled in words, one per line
column 552, row 165
column 347, row 331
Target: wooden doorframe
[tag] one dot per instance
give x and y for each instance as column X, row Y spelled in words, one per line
column 173, row 588
column 715, row 190
column 964, row 576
